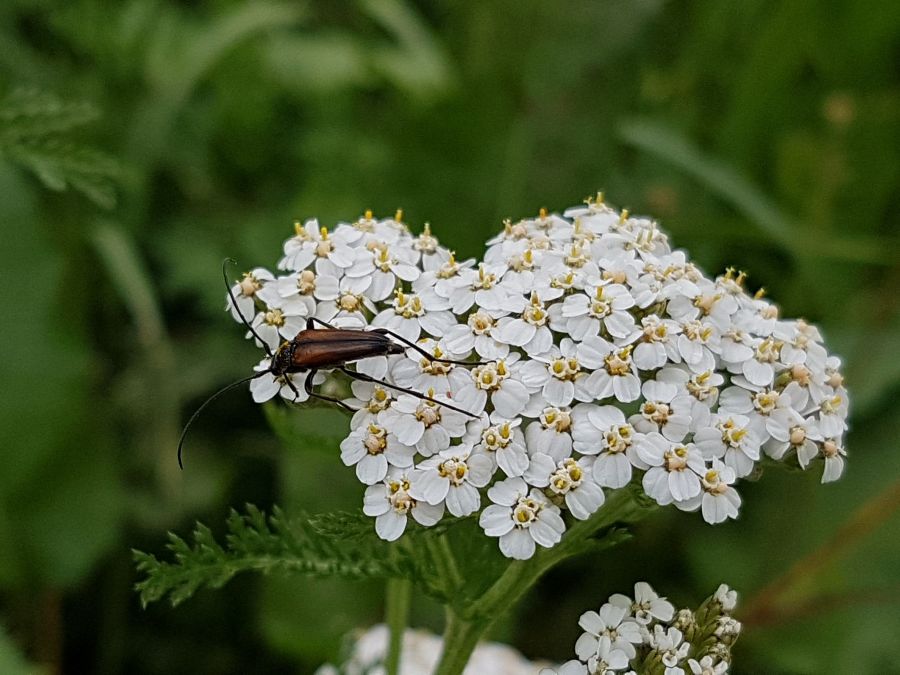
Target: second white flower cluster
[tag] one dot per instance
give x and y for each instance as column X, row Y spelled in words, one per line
column 597, row 356
column 645, row 634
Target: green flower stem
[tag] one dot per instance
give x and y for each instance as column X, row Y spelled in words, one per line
column 467, row 622
column 460, row 638
column 398, row 594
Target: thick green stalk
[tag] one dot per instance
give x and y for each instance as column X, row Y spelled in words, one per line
column 397, row 599
column 460, row 638
column 466, row 624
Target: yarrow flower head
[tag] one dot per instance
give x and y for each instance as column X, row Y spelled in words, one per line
column 647, row 635
column 583, row 355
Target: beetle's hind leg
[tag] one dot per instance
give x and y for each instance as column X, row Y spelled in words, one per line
column 412, row 392
column 423, row 352
column 308, row 388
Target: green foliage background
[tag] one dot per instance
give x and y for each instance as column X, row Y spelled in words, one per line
column 143, row 141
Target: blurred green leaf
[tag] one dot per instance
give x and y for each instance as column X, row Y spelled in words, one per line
column 59, row 486
column 727, row 184
column 176, row 65
column 34, row 128
column 292, row 619
column 131, row 280
column 180, row 54
column 417, row 63
column 71, row 515
column 321, row 63
column 12, row 662
column 310, row 429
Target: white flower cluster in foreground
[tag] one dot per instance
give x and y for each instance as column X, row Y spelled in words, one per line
column 646, row 635
column 420, row 654
column 598, row 356
column 642, row 634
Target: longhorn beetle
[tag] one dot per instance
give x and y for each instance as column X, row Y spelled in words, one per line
column 313, row 349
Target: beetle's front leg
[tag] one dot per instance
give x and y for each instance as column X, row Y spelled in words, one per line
column 290, row 383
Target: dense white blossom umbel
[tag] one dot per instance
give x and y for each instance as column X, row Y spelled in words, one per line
column 600, row 357
column 644, row 634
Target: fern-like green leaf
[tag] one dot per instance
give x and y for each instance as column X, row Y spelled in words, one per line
column 36, row 131
column 341, row 544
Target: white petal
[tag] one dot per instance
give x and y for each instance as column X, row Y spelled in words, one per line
column 371, row 469
column 558, row 392
column 390, row 525
column 517, row 544
column 656, row 485
column 683, row 484
column 612, row 470
column 430, row 487
column 375, row 502
column 508, row 491
column 547, row 529
column 264, row 388
column 539, row 470
column 463, row 500
column 512, row 460
column 627, row 388
column 760, row 374
column 620, row 324
column 510, row 399
column 516, row 332
column 584, row 500
column 382, row 285
column 481, row 470
column 496, row 520
column 533, row 374
column 428, row 514
column 586, row 645
column 408, row 429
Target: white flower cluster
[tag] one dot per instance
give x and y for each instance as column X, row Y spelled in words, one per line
column 597, row 356
column 643, row 634
column 420, row 653
column 646, row 634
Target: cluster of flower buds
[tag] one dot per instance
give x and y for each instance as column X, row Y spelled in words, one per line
column 647, row 635
column 598, row 356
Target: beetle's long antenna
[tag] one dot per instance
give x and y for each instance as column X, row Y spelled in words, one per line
column 234, row 304
column 206, row 403
column 412, row 392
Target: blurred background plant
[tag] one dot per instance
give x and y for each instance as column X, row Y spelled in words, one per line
column 141, row 142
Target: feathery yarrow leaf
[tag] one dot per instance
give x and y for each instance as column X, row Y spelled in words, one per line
column 312, row 545
column 36, row 131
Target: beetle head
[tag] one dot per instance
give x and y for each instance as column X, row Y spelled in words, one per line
column 283, row 359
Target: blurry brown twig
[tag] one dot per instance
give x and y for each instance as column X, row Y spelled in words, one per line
column 767, row 606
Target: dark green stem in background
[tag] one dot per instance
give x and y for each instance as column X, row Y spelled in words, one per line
column 397, row 600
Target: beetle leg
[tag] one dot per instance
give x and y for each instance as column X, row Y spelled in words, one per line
column 290, row 383
column 308, row 387
column 430, row 357
column 412, row 392
column 313, row 320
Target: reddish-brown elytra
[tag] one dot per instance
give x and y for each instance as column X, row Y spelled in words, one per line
column 328, row 347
